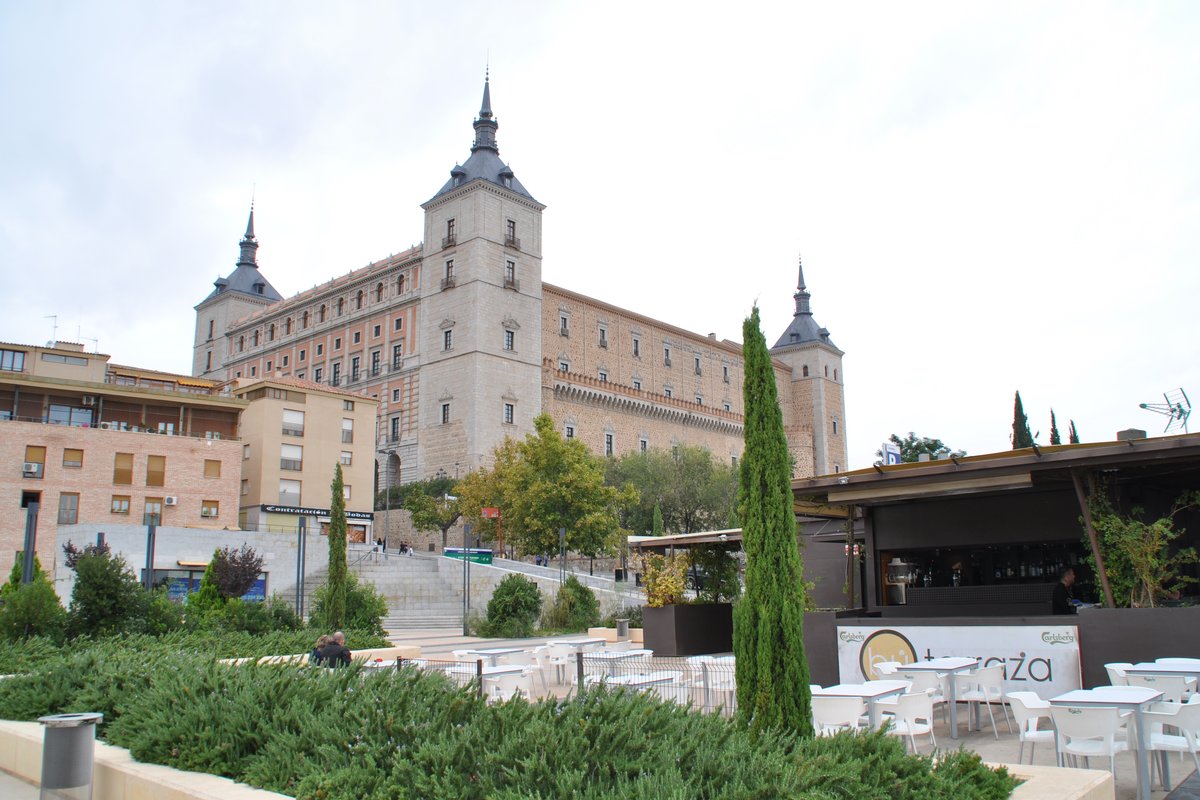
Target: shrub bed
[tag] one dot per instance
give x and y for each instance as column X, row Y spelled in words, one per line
column 340, row 734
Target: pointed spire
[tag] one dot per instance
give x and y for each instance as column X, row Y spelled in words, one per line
column 802, row 296
column 485, row 124
column 249, row 245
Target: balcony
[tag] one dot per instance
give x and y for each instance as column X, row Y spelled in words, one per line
column 448, row 282
column 291, row 464
column 512, row 283
column 513, row 242
column 449, row 241
column 397, row 363
column 293, row 430
column 604, row 344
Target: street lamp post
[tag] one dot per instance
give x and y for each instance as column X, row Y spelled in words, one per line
column 387, row 499
column 466, row 577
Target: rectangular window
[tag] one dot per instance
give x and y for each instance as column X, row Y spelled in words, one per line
column 398, row 324
column 212, row 468
column 346, row 492
column 375, row 331
column 253, row 371
column 728, row 407
column 570, row 434
column 563, row 329
column 604, row 337
column 696, row 361
column 508, row 413
column 346, row 458
column 269, row 365
column 336, row 378
column 289, row 492
column 637, row 384
column 293, row 422
column 245, row 487
column 301, row 355
column 376, row 358
column 395, row 423
column 835, row 427
column 725, row 373
column 210, row 508
column 397, row 356
column 354, row 362
column 608, row 444
column 445, row 413
column 291, row 457
column 320, row 348
column 156, row 470
column 666, row 356
column 347, row 431
column 637, row 347
column 318, row 373
column 447, row 340
column 123, row 469
column 68, row 508
column 563, row 366
column 510, row 232
column 357, row 337
column 510, row 274
column 603, row 376
column 450, row 231
column 120, row 504
column 510, row 340
column 395, row 395
column 699, row 400
column 12, row 360
column 667, row 392
column 643, row 445
column 153, row 513
column 72, row 458
column 450, row 271
column 337, row 343
column 283, row 361
column 245, row 452
column 208, row 360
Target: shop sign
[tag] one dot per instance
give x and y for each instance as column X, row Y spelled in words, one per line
column 304, row 511
column 1036, row 658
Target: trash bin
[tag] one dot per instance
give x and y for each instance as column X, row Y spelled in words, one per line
column 637, row 579
column 619, row 575
column 622, row 629
column 68, row 751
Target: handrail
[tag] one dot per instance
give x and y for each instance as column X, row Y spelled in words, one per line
column 99, row 426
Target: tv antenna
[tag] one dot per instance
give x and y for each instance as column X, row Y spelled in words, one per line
column 1177, row 408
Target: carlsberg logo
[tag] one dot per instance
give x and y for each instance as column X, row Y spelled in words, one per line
column 848, row 636
column 1058, row 638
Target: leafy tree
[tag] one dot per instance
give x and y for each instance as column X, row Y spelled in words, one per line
column 693, row 490
column 720, row 570
column 204, row 605
column 912, row 448
column 513, row 610
column 71, row 553
column 575, row 607
column 1074, row 435
column 31, row 609
column 656, row 525
column 433, row 512
column 14, row 576
column 485, row 488
column 107, row 597
column 336, row 610
column 664, row 576
column 363, row 608
column 768, row 624
column 434, row 487
column 546, row 483
column 235, row 571
column 1054, row 437
column 1021, row 436
column 1142, row 563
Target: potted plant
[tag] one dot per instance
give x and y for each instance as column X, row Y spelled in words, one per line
column 675, row 627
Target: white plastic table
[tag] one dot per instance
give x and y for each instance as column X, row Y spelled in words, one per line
column 492, row 653
column 945, row 666
column 610, row 658
column 637, row 681
column 578, row 644
column 870, row 692
column 1128, row 698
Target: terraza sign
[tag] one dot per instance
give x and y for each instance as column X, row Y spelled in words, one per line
column 302, row 511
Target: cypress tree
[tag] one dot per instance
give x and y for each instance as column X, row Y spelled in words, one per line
column 1074, row 435
column 1054, row 437
column 657, row 521
column 768, row 624
column 1021, row 436
column 337, row 551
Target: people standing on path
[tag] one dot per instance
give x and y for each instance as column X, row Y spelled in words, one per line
column 1062, row 600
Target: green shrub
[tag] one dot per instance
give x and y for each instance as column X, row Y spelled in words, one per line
column 364, row 607
column 14, row 575
column 575, row 608
column 514, row 608
column 32, row 610
column 159, row 614
column 107, row 598
column 631, row 613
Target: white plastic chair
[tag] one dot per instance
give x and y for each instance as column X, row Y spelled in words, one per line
column 1180, row 663
column 1089, row 732
column 983, row 686
column 501, row 688
column 833, row 714
column 1028, row 710
column 913, row 717
column 561, row 657
column 1173, row 687
column 1116, row 673
column 886, row 667
column 918, row 681
column 1185, row 718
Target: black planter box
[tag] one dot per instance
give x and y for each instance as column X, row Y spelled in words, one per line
column 688, row 630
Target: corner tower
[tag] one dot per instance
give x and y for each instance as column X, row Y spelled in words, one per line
column 481, row 299
column 814, row 397
column 243, row 292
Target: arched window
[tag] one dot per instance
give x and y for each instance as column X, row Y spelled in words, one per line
column 400, row 285
column 304, row 320
column 379, row 293
column 321, row 313
column 287, row 326
column 241, row 343
column 805, row 370
column 358, row 300
column 254, row 339
column 271, row 332
column 835, row 375
column 341, row 306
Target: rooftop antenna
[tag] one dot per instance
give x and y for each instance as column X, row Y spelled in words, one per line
column 54, row 332
column 1177, row 409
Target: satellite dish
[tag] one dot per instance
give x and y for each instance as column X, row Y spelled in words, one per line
column 1177, row 408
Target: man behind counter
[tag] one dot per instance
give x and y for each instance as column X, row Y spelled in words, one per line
column 1061, row 600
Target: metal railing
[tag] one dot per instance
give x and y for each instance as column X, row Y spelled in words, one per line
column 119, row 426
column 448, row 282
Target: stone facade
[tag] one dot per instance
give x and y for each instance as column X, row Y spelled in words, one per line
column 462, row 344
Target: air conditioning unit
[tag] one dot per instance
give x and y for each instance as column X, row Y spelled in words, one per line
column 105, row 426
column 89, row 400
column 170, row 500
column 31, row 468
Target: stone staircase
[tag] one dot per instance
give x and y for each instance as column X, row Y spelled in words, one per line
column 422, row 591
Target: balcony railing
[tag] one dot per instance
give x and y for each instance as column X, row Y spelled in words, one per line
column 448, row 282
column 293, row 430
column 512, row 283
column 121, row 426
column 291, row 464
column 397, row 363
column 449, row 241
column 512, row 241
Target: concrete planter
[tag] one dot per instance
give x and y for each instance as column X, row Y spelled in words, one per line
column 688, row 630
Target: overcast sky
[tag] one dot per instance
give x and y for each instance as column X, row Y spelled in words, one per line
column 987, row 197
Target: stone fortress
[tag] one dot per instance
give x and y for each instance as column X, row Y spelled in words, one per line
column 462, row 343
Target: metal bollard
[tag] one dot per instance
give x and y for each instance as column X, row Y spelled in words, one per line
column 68, row 753
column 622, row 630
